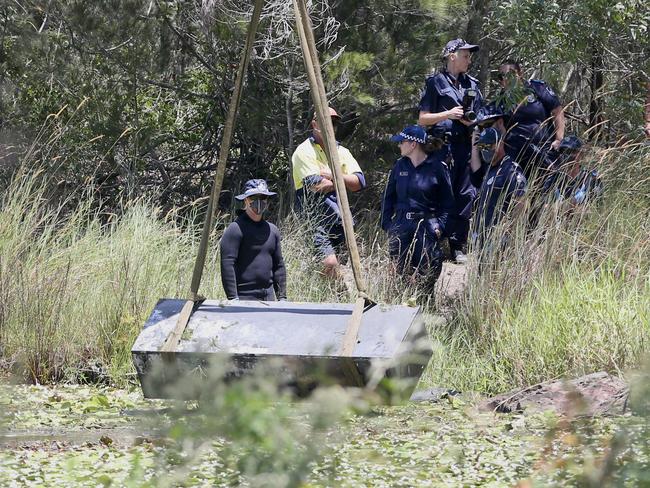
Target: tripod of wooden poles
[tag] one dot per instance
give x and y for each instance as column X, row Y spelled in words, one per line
column 312, row 67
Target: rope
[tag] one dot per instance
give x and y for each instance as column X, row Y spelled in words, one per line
column 312, row 66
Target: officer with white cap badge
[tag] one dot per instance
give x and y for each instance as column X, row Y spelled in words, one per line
column 449, row 103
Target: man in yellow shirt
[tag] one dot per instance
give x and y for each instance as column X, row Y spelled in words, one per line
column 316, row 196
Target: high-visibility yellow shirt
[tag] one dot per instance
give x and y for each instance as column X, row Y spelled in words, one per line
column 309, row 159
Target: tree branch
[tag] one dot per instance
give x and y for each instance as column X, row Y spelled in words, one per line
column 167, row 86
column 190, row 47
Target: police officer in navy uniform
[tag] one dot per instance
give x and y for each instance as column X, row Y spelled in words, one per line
column 571, row 183
column 442, row 106
column 500, row 180
column 416, row 207
column 534, row 120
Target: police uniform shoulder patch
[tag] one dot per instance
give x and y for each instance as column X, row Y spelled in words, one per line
column 542, row 85
column 440, row 81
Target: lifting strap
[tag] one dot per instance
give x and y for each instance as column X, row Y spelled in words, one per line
column 194, row 299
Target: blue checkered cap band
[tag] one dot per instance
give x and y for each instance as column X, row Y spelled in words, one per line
column 457, row 44
column 412, row 138
column 413, row 133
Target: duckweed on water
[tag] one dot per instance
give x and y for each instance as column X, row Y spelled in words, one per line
column 439, row 444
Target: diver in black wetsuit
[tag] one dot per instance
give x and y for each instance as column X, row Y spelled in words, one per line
column 252, row 267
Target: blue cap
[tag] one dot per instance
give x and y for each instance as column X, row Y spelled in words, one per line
column 413, row 133
column 488, row 114
column 570, row 143
column 457, row 44
column 255, row 187
column 488, row 137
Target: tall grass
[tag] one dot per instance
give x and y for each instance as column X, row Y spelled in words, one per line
column 569, row 297
column 306, row 282
column 76, row 286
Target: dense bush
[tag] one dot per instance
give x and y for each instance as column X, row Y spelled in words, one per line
column 141, row 88
column 566, row 298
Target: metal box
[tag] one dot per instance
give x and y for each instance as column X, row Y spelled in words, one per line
column 304, row 338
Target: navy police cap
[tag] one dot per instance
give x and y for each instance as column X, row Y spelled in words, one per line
column 457, row 44
column 571, row 143
column 413, row 133
column 488, row 114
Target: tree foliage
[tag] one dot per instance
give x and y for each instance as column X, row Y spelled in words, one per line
column 595, row 52
column 130, row 95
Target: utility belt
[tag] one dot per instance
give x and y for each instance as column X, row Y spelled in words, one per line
column 418, row 215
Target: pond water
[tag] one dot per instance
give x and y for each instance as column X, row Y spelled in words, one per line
column 90, row 436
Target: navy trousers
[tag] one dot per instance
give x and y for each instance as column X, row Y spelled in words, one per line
column 414, row 246
column 464, row 194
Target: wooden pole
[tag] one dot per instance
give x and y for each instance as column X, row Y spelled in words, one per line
column 174, row 337
column 319, row 96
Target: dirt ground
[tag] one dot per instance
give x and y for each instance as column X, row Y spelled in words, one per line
column 452, row 281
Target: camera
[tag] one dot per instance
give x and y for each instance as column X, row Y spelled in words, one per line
column 468, row 105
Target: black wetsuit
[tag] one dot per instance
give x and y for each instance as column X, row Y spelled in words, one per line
column 252, row 267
